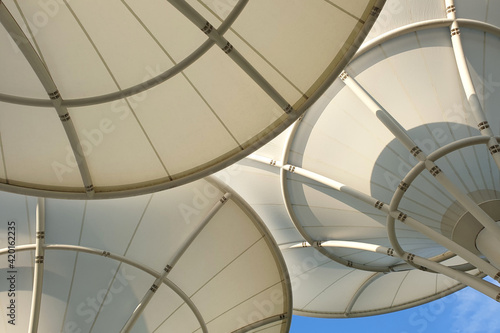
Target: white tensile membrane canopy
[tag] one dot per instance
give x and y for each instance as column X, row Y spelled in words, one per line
column 394, row 170
column 196, row 258
column 116, row 98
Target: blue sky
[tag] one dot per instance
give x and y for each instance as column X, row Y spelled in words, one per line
column 465, row 311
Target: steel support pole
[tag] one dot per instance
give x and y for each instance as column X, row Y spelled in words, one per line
column 401, row 134
column 360, row 290
column 157, row 283
column 122, row 259
column 138, row 88
column 413, row 223
column 468, row 85
column 262, row 323
column 367, row 46
column 197, row 19
column 36, row 300
column 418, row 226
column 480, row 285
column 48, row 83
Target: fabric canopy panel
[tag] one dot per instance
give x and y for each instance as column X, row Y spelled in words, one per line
column 323, row 287
column 346, row 189
column 146, row 97
column 196, row 258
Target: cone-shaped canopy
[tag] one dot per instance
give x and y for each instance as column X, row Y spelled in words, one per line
column 113, row 98
column 333, row 179
column 196, row 258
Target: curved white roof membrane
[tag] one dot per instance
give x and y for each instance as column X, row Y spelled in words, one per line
column 192, row 259
column 114, row 98
column 396, row 160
